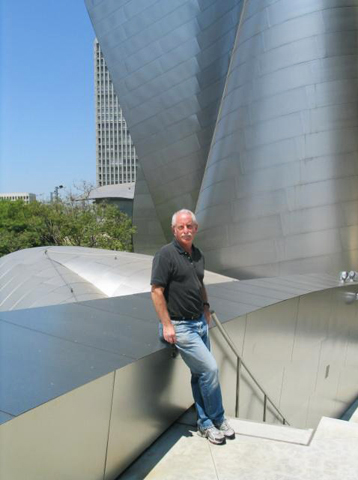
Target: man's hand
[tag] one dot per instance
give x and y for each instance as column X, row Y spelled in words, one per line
column 161, row 308
column 169, row 333
column 207, row 314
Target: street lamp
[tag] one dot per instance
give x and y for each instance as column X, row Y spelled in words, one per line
column 55, row 193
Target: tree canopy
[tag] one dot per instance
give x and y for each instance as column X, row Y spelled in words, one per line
column 72, row 223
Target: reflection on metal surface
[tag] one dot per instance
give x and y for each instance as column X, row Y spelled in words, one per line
column 168, row 63
column 253, row 124
column 42, row 276
column 303, row 351
column 343, row 277
column 64, row 438
column 240, row 363
column 147, row 403
column 288, row 332
column 353, row 276
column 65, row 388
column 350, row 297
column 69, row 436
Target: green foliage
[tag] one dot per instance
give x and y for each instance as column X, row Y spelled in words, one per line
column 80, row 224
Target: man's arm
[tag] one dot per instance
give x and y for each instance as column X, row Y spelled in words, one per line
column 160, row 306
column 204, row 296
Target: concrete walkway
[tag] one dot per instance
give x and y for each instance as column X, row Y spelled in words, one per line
column 259, row 452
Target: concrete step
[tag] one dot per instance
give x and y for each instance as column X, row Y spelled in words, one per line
column 280, row 433
column 259, row 452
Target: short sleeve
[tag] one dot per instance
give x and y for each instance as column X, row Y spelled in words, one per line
column 160, row 270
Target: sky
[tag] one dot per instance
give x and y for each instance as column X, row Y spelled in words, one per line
column 47, row 123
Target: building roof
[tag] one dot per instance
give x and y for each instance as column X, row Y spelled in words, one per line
column 123, row 190
column 40, row 276
column 16, row 194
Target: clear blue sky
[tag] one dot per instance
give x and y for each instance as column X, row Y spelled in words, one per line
column 47, row 126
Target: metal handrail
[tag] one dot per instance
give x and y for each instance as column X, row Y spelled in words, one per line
column 240, row 363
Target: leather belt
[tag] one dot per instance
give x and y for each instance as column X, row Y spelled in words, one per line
column 192, row 317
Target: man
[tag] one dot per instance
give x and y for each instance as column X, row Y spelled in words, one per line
column 181, row 302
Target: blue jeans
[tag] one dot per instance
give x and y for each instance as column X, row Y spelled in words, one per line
column 194, row 346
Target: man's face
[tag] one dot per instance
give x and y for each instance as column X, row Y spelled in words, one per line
column 185, row 230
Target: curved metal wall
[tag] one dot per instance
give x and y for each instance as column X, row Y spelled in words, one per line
column 303, row 352
column 168, row 61
column 280, row 189
column 278, row 177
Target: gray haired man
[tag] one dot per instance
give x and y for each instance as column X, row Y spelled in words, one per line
column 181, row 302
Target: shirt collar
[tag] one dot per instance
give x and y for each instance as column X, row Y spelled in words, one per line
column 180, row 248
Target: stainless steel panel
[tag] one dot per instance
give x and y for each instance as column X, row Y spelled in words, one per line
column 305, row 67
column 285, row 151
column 270, row 334
column 36, row 367
column 226, row 360
column 109, row 332
column 331, row 117
column 63, row 439
column 270, row 294
column 289, row 345
column 320, row 405
column 282, row 11
column 323, row 263
column 225, row 293
column 322, row 168
column 298, row 383
column 300, row 51
column 293, row 30
column 322, row 217
column 351, row 359
column 291, row 288
column 5, row 417
column 312, row 321
column 246, row 230
column 347, row 391
column 260, row 205
column 193, row 38
column 148, row 397
column 298, row 350
column 52, row 275
column 319, row 243
column 136, row 306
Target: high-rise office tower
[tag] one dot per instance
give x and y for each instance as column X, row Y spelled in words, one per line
column 116, row 158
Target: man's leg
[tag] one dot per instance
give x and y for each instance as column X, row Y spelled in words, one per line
column 193, row 345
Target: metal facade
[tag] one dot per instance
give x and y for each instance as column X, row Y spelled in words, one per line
column 168, row 62
column 36, row 277
column 247, row 113
column 80, row 384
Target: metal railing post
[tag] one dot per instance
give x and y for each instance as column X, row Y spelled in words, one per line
column 237, row 400
column 265, row 408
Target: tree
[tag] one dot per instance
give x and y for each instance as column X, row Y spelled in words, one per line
column 72, row 223
column 21, row 226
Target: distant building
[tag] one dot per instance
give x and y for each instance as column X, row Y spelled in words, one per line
column 119, row 195
column 26, row 197
column 116, row 158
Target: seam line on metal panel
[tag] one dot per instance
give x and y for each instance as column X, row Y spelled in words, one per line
column 109, row 425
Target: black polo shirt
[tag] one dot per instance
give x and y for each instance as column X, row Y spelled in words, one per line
column 182, row 276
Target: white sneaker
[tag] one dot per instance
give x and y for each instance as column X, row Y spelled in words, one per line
column 212, row 434
column 226, row 430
